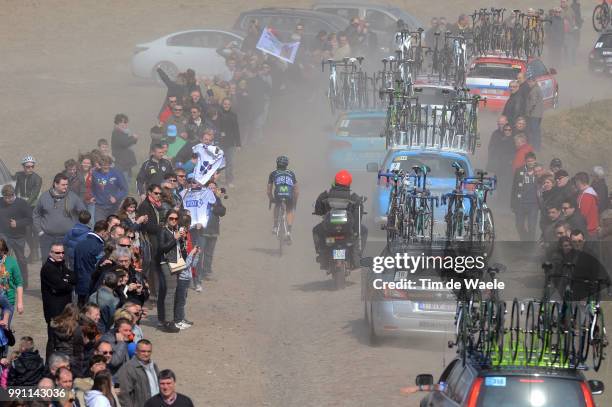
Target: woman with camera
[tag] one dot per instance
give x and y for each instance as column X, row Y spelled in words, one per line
column 172, row 254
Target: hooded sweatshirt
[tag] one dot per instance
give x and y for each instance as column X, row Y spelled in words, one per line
column 105, row 185
column 588, row 205
column 95, row 398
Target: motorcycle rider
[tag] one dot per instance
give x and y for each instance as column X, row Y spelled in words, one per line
column 341, row 189
column 283, row 184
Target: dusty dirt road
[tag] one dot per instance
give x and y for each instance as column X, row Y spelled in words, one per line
column 269, row 331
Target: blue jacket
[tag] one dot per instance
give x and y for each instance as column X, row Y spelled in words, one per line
column 87, row 253
column 103, row 186
column 74, row 236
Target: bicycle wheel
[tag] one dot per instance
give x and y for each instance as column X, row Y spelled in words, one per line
column 567, row 324
column 542, row 330
column 530, row 327
column 601, row 15
column 282, row 229
column 539, row 40
column 583, row 323
column 331, row 95
column 553, row 334
column 599, row 340
column 501, row 330
column 515, row 330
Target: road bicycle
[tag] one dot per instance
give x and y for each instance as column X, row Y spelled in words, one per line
column 280, row 221
column 482, row 226
column 455, row 212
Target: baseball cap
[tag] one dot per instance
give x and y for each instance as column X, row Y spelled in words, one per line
column 560, row 174
column 171, row 131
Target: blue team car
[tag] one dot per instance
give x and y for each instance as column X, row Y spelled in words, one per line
column 356, row 139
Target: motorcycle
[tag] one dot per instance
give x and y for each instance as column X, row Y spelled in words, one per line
column 343, row 243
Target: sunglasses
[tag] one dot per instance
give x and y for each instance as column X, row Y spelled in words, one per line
column 172, row 218
column 125, row 245
column 181, row 176
column 110, row 352
column 172, row 180
column 132, row 237
column 156, row 193
column 28, row 166
column 178, row 110
column 58, row 252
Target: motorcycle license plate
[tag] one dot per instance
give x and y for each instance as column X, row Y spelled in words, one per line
column 339, row 254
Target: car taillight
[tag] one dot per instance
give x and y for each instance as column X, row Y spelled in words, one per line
column 395, row 294
column 588, row 397
column 337, row 144
column 140, row 49
column 475, row 392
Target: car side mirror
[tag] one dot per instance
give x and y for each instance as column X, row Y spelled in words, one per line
column 424, row 380
column 372, row 167
column 366, row 262
column 552, row 71
column 596, row 386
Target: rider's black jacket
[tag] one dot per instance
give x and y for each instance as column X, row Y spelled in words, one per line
column 338, row 192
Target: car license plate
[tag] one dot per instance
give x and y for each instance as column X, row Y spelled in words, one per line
column 339, row 254
column 436, row 306
column 401, row 275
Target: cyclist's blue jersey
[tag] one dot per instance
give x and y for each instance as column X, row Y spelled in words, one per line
column 284, row 182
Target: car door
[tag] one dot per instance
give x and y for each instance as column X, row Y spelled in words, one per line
column 182, row 49
column 544, row 79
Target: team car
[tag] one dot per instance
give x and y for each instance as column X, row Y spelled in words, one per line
column 600, row 57
column 474, row 385
column 356, row 139
column 440, row 180
column 489, row 76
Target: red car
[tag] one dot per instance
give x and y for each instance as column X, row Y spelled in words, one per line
column 490, row 77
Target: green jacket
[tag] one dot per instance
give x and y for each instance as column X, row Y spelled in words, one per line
column 10, row 277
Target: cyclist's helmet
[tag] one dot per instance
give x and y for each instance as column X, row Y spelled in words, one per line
column 343, row 178
column 282, row 161
column 28, row 159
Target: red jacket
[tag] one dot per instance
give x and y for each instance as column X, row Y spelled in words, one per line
column 588, row 206
column 165, row 114
column 519, row 156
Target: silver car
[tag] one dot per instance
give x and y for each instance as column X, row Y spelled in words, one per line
column 405, row 312
column 177, row 52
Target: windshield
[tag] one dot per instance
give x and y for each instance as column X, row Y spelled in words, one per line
column 433, row 96
column 517, row 391
column 495, row 71
column 441, row 167
column 362, row 127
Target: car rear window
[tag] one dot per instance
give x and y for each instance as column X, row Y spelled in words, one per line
column 441, row 167
column 433, row 96
column 495, row 71
column 529, row 391
column 361, row 127
column 605, row 41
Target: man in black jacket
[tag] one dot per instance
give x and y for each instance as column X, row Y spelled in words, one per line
column 57, row 282
column 515, row 105
column 573, row 217
column 150, row 229
column 167, row 395
column 121, row 141
column 15, row 218
column 153, row 170
column 29, row 367
column 230, row 139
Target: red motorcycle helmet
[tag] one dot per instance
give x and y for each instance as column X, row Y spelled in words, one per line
column 344, row 178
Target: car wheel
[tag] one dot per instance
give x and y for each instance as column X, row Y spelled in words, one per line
column 373, row 339
column 556, row 99
column 168, row 67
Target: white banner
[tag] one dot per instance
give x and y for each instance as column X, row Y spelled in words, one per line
column 270, row 44
column 210, row 159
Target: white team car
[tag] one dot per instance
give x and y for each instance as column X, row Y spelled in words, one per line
column 177, row 52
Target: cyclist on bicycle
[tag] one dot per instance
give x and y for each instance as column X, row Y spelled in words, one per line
column 282, row 185
column 341, row 189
